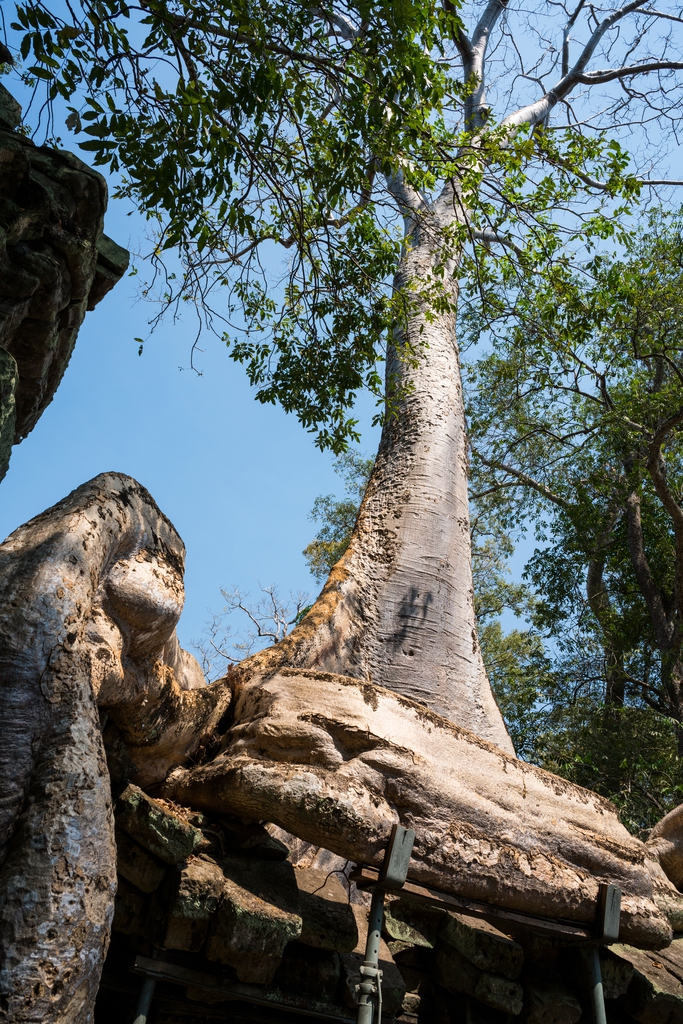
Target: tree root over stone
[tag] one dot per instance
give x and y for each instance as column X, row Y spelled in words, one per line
column 337, row 761
column 91, row 591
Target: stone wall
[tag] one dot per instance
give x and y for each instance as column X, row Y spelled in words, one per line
column 246, row 929
column 55, row 264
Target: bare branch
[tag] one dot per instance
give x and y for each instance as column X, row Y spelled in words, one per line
column 475, row 64
column 663, row 14
column 494, row 238
column 340, row 22
column 612, row 74
column 527, row 480
column 661, row 623
column 535, row 112
column 565, row 41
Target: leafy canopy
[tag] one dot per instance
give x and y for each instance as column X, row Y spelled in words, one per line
column 581, row 431
column 241, row 132
column 235, row 127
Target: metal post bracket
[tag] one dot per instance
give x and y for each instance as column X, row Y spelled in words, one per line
column 394, row 870
column 609, row 913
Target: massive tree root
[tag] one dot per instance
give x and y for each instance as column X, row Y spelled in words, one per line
column 91, row 593
column 337, row 761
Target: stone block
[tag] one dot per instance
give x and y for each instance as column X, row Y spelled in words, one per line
column 407, row 922
column 156, row 826
column 198, row 895
column 457, row 974
column 655, row 994
column 419, row 991
column 10, row 111
column 550, row 1003
column 136, row 865
column 483, row 945
column 51, row 209
column 416, row 957
column 130, row 909
column 328, row 921
column 307, row 971
column 251, row 838
column 258, row 916
column 617, row 974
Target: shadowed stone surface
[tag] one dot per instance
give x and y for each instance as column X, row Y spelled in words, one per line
column 457, row 974
column 200, row 891
column 328, row 921
column 155, row 826
column 258, row 915
column 136, row 865
column 55, row 264
column 483, row 945
column 550, row 1003
column 655, row 994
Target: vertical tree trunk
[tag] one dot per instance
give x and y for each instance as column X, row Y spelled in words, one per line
column 398, row 608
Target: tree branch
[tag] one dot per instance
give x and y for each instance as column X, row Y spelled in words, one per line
column 493, row 238
column 532, row 113
column 610, row 75
column 343, row 25
column 475, row 65
column 661, row 623
column 410, row 202
column 598, row 598
column 527, row 480
column 657, row 469
column 565, row 39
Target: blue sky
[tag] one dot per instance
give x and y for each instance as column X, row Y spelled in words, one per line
column 236, row 478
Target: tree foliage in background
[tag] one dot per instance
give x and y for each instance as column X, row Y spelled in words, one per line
column 239, row 131
column 581, row 431
column 306, row 135
column 337, row 517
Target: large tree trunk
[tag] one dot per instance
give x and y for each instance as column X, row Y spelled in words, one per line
column 337, row 762
column 91, row 593
column 398, row 609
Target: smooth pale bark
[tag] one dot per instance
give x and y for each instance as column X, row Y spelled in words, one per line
column 337, row 761
column 90, row 593
column 666, row 843
column 398, row 609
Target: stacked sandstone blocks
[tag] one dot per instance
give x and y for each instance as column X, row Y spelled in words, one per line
column 56, row 263
column 221, row 901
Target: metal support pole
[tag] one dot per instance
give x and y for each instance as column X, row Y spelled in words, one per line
column 370, row 988
column 144, row 1001
column 393, row 874
column 595, row 982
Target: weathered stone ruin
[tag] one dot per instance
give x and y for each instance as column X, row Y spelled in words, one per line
column 212, row 883
column 55, row 264
column 243, row 927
